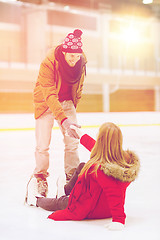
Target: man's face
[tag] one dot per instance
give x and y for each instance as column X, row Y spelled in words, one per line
column 72, row 58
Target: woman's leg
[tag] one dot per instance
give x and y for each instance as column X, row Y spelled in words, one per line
column 52, row 204
column 69, row 186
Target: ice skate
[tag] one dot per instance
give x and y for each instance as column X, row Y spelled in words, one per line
column 42, row 184
column 61, row 181
column 32, row 192
column 70, row 174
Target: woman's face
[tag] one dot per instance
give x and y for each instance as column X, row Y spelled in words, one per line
column 72, row 58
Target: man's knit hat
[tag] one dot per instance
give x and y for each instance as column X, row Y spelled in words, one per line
column 72, row 43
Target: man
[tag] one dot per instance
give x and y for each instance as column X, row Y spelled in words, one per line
column 56, row 95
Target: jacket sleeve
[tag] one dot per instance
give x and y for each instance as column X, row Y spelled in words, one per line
column 48, row 88
column 87, row 142
column 115, row 195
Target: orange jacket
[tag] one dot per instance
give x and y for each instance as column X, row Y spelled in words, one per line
column 48, row 85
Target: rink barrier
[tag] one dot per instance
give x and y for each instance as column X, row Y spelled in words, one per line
column 85, row 126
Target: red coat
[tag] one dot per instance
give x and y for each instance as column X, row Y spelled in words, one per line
column 97, row 197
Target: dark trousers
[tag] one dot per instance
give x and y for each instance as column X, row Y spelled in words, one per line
column 54, row 204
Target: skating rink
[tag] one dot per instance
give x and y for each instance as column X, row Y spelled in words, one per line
column 141, row 133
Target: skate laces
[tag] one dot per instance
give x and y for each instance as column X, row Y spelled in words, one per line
column 42, row 186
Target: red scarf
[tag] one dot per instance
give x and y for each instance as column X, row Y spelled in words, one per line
column 70, row 75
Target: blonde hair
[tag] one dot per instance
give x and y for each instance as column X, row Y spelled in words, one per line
column 108, row 148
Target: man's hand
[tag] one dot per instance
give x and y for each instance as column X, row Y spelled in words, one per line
column 70, row 131
column 78, row 131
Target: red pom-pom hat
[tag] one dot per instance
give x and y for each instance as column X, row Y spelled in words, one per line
column 72, row 43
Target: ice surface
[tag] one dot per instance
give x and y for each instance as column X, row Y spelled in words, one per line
column 141, row 133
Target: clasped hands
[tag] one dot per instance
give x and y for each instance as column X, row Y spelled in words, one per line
column 72, row 129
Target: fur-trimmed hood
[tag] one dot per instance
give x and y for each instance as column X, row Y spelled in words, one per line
column 128, row 174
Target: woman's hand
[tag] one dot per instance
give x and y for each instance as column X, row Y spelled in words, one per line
column 114, row 226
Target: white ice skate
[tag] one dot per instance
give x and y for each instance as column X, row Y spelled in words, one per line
column 32, row 192
column 61, row 181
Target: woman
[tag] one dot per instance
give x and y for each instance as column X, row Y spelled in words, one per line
column 99, row 191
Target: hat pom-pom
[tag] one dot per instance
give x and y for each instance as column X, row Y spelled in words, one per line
column 77, row 33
